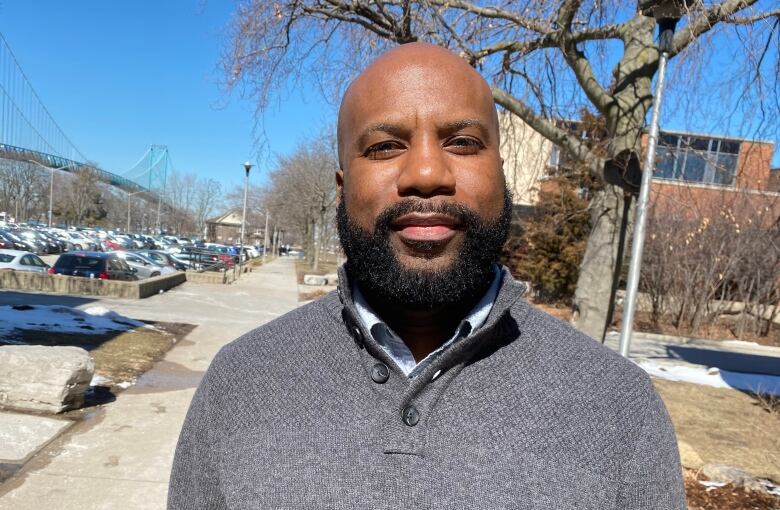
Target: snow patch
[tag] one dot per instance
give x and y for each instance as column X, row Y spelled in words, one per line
column 707, row 376
column 94, row 320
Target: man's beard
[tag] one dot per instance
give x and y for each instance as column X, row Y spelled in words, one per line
column 372, row 262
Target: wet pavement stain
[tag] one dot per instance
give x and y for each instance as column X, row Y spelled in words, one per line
column 166, row 376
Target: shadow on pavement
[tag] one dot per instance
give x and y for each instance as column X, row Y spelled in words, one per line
column 25, row 298
column 730, row 361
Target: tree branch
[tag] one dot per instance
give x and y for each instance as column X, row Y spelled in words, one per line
column 493, row 13
column 578, row 150
column 749, row 20
column 577, row 60
column 706, row 21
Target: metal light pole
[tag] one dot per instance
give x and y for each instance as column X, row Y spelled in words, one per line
column 265, row 236
column 247, row 167
column 667, row 13
column 51, row 184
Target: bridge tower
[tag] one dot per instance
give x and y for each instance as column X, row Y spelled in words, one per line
column 158, row 174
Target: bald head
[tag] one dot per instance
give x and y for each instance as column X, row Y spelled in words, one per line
column 396, row 82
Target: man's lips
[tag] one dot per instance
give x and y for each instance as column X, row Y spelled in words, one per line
column 425, row 227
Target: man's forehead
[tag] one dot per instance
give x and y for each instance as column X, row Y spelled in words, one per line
column 412, row 81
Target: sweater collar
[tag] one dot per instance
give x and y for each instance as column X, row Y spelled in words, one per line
column 509, row 292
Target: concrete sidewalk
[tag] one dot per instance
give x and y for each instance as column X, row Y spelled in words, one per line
column 120, row 455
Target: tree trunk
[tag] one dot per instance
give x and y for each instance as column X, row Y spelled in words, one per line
column 591, row 299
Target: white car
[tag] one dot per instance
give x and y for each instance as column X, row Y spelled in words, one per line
column 17, row 260
column 144, row 267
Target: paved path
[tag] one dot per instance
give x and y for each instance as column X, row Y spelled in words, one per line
column 120, row 456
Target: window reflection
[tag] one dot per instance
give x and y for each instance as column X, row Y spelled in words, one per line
column 696, row 159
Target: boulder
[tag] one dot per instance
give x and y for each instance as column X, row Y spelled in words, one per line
column 732, row 475
column 49, row 379
column 314, row 279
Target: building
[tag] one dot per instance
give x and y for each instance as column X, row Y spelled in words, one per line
column 694, row 172
column 527, row 156
column 701, row 175
column 225, row 229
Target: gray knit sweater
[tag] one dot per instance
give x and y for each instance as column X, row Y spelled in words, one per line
column 526, row 413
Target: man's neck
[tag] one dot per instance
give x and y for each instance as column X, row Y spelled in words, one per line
column 423, row 331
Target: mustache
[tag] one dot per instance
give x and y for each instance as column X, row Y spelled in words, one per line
column 460, row 213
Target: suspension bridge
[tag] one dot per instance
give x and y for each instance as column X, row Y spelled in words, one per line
column 29, row 133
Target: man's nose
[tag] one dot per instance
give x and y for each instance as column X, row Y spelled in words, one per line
column 426, row 172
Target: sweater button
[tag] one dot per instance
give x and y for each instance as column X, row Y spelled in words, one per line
column 411, row 416
column 380, row 373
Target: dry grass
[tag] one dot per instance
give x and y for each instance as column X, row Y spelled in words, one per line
column 769, row 403
column 120, row 357
column 303, row 268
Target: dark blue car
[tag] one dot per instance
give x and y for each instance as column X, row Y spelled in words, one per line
column 93, row 264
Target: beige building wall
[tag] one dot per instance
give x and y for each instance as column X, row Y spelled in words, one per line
column 526, row 156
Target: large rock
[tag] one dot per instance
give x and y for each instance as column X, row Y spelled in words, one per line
column 314, row 279
column 729, row 474
column 49, row 379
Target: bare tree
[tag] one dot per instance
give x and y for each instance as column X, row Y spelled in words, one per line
column 303, row 194
column 545, row 61
column 707, row 262
column 24, row 189
column 82, row 199
column 207, row 198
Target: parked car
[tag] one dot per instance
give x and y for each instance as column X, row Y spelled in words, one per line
column 17, row 260
column 19, row 243
column 46, row 244
column 204, row 260
column 93, row 264
column 163, row 258
column 108, row 243
column 144, row 267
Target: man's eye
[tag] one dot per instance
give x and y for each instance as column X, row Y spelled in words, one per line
column 464, row 145
column 383, row 150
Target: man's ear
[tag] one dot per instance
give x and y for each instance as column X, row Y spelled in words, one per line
column 339, row 186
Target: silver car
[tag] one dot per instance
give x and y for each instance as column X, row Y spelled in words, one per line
column 17, row 260
column 145, row 267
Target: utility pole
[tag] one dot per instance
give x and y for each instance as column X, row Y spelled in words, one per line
column 265, row 236
column 247, row 167
column 667, row 13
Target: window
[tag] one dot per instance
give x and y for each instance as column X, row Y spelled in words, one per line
column 5, row 258
column 696, row 159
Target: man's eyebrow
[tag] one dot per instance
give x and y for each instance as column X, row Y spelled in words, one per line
column 457, row 125
column 385, row 127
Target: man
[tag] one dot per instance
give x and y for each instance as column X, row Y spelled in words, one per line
column 426, row 381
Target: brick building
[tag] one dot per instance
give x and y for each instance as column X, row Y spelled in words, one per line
column 694, row 173
column 700, row 175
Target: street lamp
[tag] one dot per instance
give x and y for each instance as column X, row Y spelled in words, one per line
column 51, row 183
column 666, row 13
column 247, row 167
column 128, row 208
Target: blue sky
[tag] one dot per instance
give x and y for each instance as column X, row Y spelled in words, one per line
column 132, row 74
